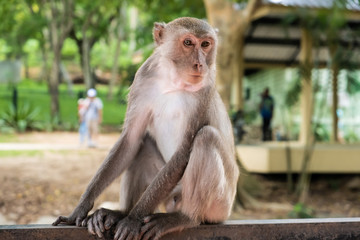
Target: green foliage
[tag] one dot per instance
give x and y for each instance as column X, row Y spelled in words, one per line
column 324, row 26
column 321, row 133
column 23, row 118
column 69, row 50
column 101, row 55
column 292, row 96
column 250, row 116
column 300, row 210
column 353, row 84
column 128, row 72
column 351, row 137
column 164, row 11
column 36, row 94
column 18, row 24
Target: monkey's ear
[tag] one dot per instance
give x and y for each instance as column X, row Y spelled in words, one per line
column 158, row 32
column 216, row 31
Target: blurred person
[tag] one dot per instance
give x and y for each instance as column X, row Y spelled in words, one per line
column 266, row 111
column 92, row 116
column 82, row 124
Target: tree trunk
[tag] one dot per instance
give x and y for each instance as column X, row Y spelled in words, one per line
column 53, row 86
column 54, row 72
column 26, row 65
column 66, row 77
column 88, row 79
column 59, row 17
column 335, row 73
column 228, row 68
column 306, row 96
column 120, row 25
column 44, row 74
column 232, row 23
column 114, row 70
column 335, row 119
column 118, row 34
column 306, row 130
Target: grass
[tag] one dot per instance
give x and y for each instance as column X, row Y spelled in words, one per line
column 37, row 95
column 29, row 153
column 8, row 138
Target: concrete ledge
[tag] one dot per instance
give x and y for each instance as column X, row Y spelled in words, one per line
column 327, row 158
column 287, row 229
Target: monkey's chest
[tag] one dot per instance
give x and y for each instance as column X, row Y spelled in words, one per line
column 170, row 119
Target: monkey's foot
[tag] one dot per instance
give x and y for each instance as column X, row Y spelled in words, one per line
column 128, row 229
column 101, row 220
column 157, row 225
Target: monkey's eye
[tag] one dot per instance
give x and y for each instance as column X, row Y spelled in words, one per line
column 205, row 44
column 187, row 42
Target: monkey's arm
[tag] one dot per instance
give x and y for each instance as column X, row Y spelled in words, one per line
column 159, row 189
column 115, row 163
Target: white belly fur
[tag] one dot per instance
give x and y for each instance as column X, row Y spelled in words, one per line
column 170, row 114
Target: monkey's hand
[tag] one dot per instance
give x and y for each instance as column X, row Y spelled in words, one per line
column 128, row 229
column 101, row 220
column 76, row 217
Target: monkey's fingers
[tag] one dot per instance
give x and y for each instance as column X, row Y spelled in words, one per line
column 149, row 230
column 97, row 220
column 90, row 227
column 61, row 219
column 121, row 234
column 93, row 228
column 84, row 222
column 128, row 230
column 78, row 221
column 109, row 222
column 147, row 219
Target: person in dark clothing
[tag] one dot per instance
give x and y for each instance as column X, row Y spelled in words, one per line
column 266, row 111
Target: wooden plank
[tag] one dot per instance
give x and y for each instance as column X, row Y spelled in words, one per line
column 270, row 157
column 331, row 228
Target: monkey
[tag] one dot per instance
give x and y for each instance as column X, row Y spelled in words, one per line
column 175, row 154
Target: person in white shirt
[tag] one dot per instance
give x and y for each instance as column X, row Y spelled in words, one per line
column 92, row 115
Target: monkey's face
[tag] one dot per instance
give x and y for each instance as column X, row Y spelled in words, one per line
column 192, row 56
column 189, row 45
column 195, row 57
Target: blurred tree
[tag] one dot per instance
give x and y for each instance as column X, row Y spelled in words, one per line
column 163, row 11
column 41, row 32
column 231, row 18
column 24, row 20
column 11, row 17
column 329, row 28
column 59, row 15
column 18, row 26
column 91, row 22
column 120, row 22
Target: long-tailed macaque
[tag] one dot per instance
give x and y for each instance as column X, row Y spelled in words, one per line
column 176, row 149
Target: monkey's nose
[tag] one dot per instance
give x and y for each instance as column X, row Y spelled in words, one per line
column 198, row 66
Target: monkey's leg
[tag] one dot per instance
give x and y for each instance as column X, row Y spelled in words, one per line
column 207, row 186
column 205, row 195
column 135, row 180
column 140, row 174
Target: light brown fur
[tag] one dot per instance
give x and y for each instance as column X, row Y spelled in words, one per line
column 176, row 147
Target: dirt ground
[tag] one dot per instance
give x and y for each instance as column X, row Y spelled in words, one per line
column 40, row 183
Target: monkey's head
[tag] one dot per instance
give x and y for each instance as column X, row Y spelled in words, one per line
column 190, row 45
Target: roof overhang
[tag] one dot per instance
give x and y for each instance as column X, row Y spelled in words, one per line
column 269, row 44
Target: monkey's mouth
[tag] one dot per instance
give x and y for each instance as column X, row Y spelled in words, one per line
column 195, row 78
